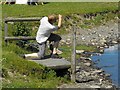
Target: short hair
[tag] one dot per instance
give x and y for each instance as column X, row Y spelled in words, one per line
column 52, row 17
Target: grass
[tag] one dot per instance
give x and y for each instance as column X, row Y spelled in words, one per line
column 60, row 8
column 64, row 8
column 20, row 73
column 68, row 50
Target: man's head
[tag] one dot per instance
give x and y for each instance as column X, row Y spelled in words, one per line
column 52, row 18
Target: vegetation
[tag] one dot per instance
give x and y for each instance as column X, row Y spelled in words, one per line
column 20, row 73
column 63, row 8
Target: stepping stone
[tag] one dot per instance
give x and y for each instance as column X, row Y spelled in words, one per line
column 54, row 63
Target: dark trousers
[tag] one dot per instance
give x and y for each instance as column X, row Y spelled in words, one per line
column 53, row 38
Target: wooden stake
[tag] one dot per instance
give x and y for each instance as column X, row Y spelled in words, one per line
column 6, row 31
column 73, row 58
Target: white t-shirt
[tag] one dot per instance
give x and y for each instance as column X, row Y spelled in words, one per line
column 44, row 30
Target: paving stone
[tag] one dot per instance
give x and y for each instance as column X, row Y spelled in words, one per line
column 54, row 63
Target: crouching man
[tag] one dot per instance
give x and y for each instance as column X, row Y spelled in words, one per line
column 45, row 34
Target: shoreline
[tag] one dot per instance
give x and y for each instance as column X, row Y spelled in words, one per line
column 87, row 74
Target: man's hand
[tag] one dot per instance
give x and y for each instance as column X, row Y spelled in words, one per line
column 59, row 16
column 59, row 20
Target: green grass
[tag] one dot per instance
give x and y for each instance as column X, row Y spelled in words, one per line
column 67, row 50
column 21, row 73
column 64, row 8
column 79, row 8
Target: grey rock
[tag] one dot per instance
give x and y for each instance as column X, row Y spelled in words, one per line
column 87, row 64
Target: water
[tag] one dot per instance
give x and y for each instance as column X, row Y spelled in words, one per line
column 108, row 61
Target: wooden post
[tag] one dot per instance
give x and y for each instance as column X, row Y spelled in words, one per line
column 11, row 19
column 73, row 58
column 6, row 31
column 20, row 38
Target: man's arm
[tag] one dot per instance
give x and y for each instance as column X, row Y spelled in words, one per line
column 59, row 21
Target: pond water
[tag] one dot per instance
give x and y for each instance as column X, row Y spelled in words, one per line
column 109, row 62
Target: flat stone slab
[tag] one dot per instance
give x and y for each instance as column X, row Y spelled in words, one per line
column 54, row 63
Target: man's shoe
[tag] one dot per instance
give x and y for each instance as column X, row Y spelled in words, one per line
column 55, row 56
column 59, row 52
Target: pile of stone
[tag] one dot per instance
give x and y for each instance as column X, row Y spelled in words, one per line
column 90, row 76
column 104, row 35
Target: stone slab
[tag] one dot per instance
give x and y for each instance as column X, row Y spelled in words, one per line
column 54, row 63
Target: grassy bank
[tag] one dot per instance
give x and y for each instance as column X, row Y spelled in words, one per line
column 20, row 73
column 64, row 8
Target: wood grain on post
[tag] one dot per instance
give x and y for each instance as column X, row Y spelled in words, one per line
column 6, row 30
column 11, row 19
column 73, row 62
column 20, row 38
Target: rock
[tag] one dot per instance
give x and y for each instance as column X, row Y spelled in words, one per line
column 79, row 51
column 94, row 86
column 83, row 38
column 107, row 75
column 82, row 58
column 106, row 46
column 100, row 80
column 77, row 68
column 88, row 59
column 68, row 40
column 68, row 43
column 93, row 43
column 109, row 87
column 97, row 71
column 102, row 42
column 101, row 50
column 114, row 42
column 63, row 41
column 101, row 47
column 99, row 35
column 87, row 73
column 87, row 64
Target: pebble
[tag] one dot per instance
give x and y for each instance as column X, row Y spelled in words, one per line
column 102, row 34
column 94, row 86
column 79, row 51
column 114, row 42
column 87, row 64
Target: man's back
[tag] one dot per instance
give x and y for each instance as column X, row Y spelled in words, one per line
column 44, row 30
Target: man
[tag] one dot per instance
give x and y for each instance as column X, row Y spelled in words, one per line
column 45, row 34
